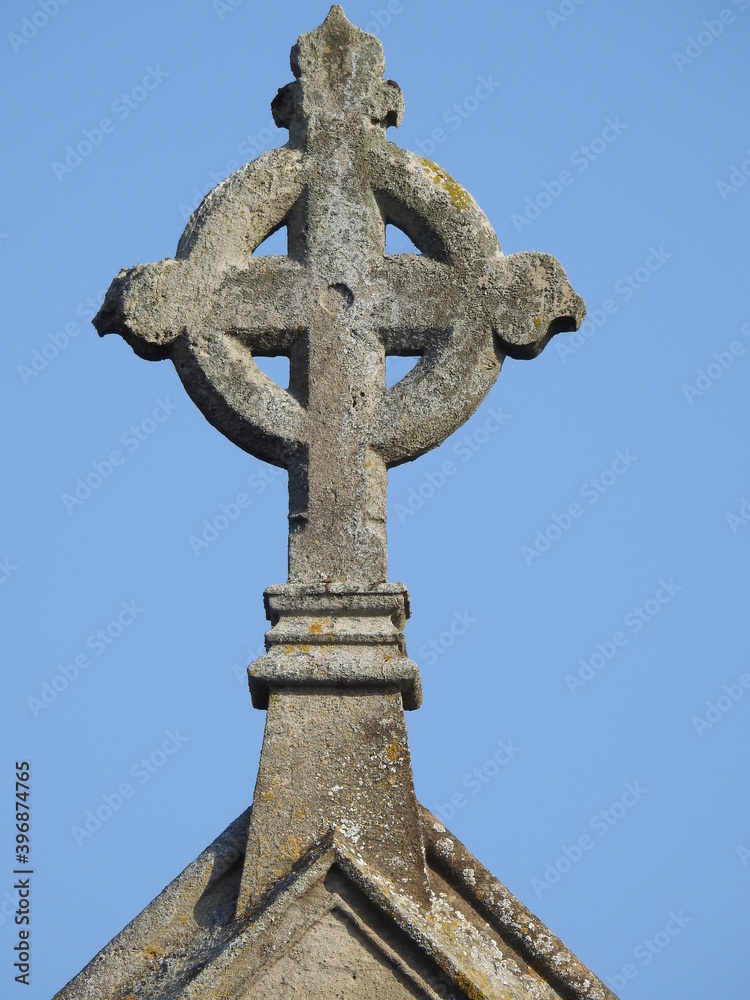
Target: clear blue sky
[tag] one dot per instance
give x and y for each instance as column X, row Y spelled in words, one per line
column 577, row 555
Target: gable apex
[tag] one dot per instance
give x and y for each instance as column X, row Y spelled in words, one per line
column 328, row 913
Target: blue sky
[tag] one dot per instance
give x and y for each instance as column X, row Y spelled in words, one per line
column 577, row 554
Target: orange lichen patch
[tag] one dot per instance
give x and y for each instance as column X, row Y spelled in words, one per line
column 315, row 628
column 152, row 953
column 394, row 750
column 267, row 795
column 468, row 987
column 293, row 849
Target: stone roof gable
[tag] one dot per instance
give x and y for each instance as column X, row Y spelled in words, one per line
column 333, row 923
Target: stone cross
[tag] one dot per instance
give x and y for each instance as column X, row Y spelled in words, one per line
column 336, row 306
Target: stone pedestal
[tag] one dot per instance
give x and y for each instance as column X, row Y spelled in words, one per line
column 336, row 635
column 335, row 761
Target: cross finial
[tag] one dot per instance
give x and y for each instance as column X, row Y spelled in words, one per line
column 337, row 305
column 339, row 74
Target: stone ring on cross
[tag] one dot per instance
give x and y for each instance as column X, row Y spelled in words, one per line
column 337, row 304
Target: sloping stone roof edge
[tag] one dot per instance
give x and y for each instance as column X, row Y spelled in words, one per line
column 113, row 964
column 507, row 916
column 516, row 924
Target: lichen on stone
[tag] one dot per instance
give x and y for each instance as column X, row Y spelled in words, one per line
column 460, row 197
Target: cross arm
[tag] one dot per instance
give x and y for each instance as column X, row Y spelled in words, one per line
column 409, row 302
column 211, row 341
column 146, row 306
column 534, row 302
column 259, row 304
column 513, row 308
column 150, row 305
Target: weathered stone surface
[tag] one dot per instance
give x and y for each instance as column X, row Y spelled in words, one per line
column 337, row 304
column 335, row 760
column 336, row 635
column 474, row 940
column 337, row 883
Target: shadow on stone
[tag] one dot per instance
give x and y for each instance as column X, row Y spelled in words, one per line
column 218, row 901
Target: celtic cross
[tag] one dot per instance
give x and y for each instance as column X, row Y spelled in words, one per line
column 336, row 306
